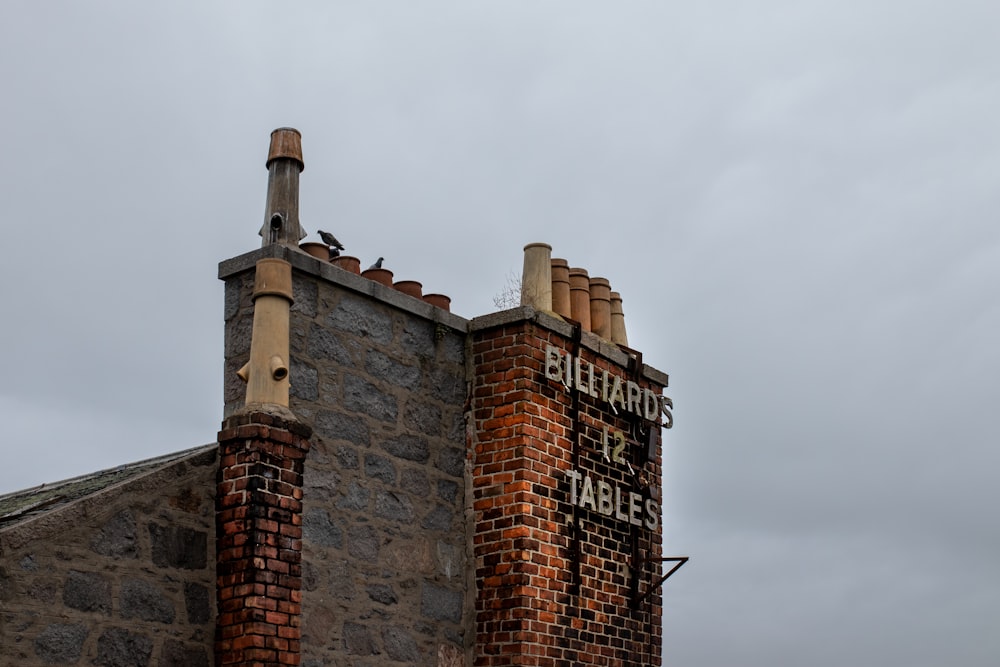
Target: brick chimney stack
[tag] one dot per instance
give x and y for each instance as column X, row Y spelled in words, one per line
column 262, row 451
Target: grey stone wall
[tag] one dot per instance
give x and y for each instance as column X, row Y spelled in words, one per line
column 381, row 378
column 123, row 577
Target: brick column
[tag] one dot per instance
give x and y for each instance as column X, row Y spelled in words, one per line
column 567, row 533
column 259, row 531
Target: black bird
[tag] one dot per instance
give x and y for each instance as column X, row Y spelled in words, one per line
column 377, row 264
column 330, row 240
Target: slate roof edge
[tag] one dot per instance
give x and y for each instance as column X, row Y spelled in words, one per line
column 36, row 520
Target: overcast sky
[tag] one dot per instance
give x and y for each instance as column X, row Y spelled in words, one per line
column 797, row 200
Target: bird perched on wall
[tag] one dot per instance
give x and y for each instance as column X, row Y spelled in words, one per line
column 331, row 240
column 377, row 264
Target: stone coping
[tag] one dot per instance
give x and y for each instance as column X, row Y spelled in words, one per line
column 307, row 263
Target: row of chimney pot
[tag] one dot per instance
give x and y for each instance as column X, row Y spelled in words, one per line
column 382, row 276
column 552, row 285
column 281, row 216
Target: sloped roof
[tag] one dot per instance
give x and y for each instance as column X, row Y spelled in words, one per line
column 21, row 505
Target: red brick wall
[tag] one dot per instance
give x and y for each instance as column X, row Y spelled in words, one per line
column 556, row 583
column 259, row 530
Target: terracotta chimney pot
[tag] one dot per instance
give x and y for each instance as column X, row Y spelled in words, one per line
column 600, row 307
column 579, row 295
column 536, row 279
column 618, row 335
column 560, row 288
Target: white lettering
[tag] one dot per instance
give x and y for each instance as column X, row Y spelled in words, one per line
column 574, row 477
column 591, row 380
column 652, row 514
column 587, row 494
column 650, row 404
column 611, row 500
column 666, row 405
column 577, row 377
column 616, row 393
column 604, row 502
column 621, row 516
column 617, row 454
column 578, row 374
column 634, row 507
column 553, row 363
column 633, row 398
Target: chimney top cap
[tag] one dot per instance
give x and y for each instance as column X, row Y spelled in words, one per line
column 286, row 142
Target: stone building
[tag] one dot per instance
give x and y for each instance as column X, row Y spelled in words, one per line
column 392, row 485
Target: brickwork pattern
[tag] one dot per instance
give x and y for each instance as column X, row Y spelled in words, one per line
column 259, row 532
column 555, row 581
column 385, row 576
column 125, row 577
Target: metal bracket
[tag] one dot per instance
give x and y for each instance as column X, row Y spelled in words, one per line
column 639, row 599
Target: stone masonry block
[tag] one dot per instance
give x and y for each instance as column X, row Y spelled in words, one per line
column 418, row 338
column 400, row 645
column 440, row 603
column 383, row 367
column 118, row 537
column 197, row 603
column 323, row 344
column 382, row 593
column 451, row 460
column 347, row 457
column 358, row 317
column 414, row 481
column 380, row 468
column 238, row 335
column 320, row 530
column 393, row 506
column 453, row 350
column 176, row 654
column 232, row 299
column 61, row 643
column 362, row 396
column 118, row 647
column 409, row 447
column 456, row 431
column 439, row 518
column 311, row 575
column 87, row 591
column 447, row 490
column 355, row 498
column 342, row 580
column 363, row 543
column 447, row 385
column 178, row 546
column 304, row 293
column 304, row 381
column 423, row 416
column 322, row 484
column 141, row 599
column 358, row 640
column 340, row 426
